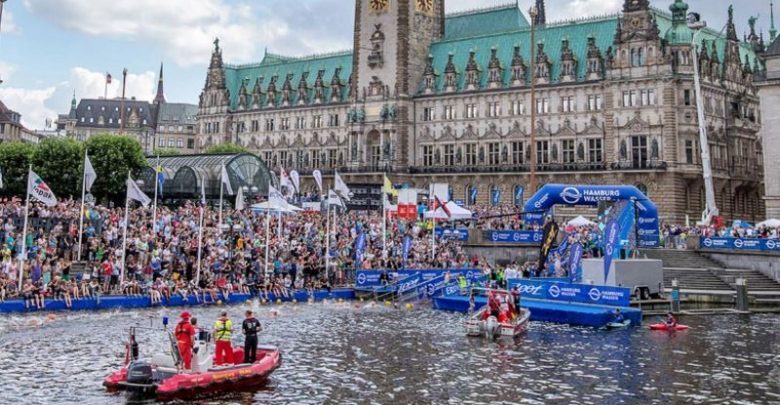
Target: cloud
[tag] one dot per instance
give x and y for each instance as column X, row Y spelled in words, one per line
column 8, row 25
column 30, row 103
column 90, row 84
column 6, row 70
column 183, row 29
column 589, row 8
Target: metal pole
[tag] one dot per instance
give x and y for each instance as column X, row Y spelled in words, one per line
column 710, row 209
column 267, row 239
column 122, row 104
column 81, row 212
column 532, row 181
column 327, row 237
column 156, row 186
column 2, row 2
column 124, row 233
column 200, row 243
column 221, row 189
column 24, row 231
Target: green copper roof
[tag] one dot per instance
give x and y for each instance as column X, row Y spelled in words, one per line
column 485, row 21
column 577, row 32
column 281, row 66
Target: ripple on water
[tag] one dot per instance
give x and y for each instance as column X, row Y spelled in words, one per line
column 343, row 353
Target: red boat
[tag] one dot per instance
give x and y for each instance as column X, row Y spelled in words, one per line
column 663, row 326
column 163, row 377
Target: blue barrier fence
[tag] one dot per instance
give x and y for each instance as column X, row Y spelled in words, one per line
column 533, row 237
column 370, row 278
column 748, row 244
column 582, row 293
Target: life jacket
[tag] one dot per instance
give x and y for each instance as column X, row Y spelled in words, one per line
column 182, row 332
column 223, row 328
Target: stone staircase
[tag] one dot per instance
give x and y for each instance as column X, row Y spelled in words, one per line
column 683, row 259
column 694, row 279
column 756, row 281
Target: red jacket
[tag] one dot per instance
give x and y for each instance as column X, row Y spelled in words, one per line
column 184, row 332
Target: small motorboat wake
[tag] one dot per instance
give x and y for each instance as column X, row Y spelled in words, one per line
column 163, row 375
column 501, row 317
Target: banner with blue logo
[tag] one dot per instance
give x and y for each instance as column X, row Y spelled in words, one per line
column 496, row 195
column 519, row 190
column 409, row 282
column 370, row 278
column 575, row 262
column 533, row 237
column 460, row 234
column 611, row 239
column 360, row 247
column 569, row 292
column 473, row 195
column 592, row 195
column 407, row 247
column 749, row 244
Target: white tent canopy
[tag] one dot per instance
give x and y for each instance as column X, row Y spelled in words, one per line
column 456, row 212
column 769, row 223
column 268, row 206
column 580, row 221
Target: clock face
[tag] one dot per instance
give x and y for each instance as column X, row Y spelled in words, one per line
column 425, row 6
column 378, row 5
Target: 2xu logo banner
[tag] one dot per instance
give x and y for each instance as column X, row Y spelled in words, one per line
column 370, row 278
column 569, row 292
column 751, row 244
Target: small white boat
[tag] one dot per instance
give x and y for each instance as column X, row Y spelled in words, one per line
column 481, row 324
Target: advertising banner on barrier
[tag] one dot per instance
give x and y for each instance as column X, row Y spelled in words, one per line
column 750, row 244
column 582, row 293
column 370, row 278
column 460, row 234
column 533, row 237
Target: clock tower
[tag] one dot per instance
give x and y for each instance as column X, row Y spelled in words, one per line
column 391, row 44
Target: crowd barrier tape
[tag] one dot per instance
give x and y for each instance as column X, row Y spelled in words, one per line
column 370, row 278
column 534, row 237
column 568, row 292
column 751, row 244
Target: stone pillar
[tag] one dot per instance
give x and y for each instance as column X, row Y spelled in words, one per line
column 743, row 302
column 675, row 296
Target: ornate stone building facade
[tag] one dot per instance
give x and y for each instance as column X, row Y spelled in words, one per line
column 429, row 97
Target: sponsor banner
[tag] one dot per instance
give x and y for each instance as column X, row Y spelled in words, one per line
column 370, row 278
column 409, row 283
column 611, row 248
column 568, row 292
column 533, row 237
column 749, row 244
column 457, row 234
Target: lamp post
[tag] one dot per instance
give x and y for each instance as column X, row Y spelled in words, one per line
column 710, row 210
column 2, row 2
column 533, row 12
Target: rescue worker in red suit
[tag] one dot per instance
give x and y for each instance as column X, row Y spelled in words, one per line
column 494, row 306
column 185, row 338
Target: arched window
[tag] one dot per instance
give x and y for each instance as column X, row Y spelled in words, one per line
column 495, row 195
column 471, row 195
column 642, row 187
column 518, row 195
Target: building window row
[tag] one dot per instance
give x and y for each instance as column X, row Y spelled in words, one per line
column 512, row 153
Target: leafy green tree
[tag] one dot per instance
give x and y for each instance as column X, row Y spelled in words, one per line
column 226, row 148
column 113, row 156
column 166, row 152
column 59, row 161
column 15, row 159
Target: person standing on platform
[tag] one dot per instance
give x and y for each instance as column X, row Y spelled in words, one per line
column 223, row 331
column 251, row 326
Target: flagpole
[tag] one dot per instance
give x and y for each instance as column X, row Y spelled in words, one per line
column 200, row 243
column 433, row 219
column 124, row 232
column 327, row 237
column 221, row 189
column 81, row 212
column 24, row 231
column 267, row 230
column 154, row 208
column 384, row 224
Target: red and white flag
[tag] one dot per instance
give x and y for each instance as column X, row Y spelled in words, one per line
column 37, row 188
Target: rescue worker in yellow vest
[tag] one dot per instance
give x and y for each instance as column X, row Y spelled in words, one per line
column 462, row 283
column 223, row 332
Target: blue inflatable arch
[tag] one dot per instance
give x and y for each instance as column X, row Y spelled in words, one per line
column 554, row 194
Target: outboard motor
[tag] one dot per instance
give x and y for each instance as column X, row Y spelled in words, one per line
column 140, row 372
column 491, row 327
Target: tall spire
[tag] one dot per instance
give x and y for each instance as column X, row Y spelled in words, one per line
column 160, row 97
column 772, row 29
column 72, row 113
column 541, row 14
column 731, row 30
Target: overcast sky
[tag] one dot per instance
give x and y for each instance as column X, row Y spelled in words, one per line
column 51, row 48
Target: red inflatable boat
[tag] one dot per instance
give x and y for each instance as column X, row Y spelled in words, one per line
column 663, row 326
column 162, row 376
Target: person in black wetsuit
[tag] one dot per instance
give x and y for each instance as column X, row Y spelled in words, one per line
column 251, row 326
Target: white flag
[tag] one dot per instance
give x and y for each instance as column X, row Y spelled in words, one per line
column 226, row 180
column 334, row 199
column 341, row 188
column 203, row 193
column 318, row 178
column 135, row 193
column 89, row 174
column 38, row 189
column 296, row 180
column 276, row 198
column 240, row 199
column 1, row 179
